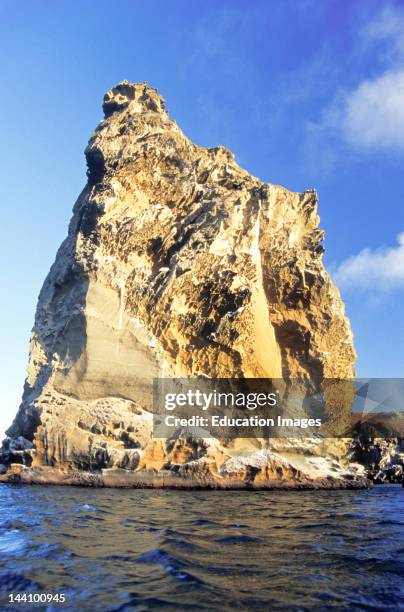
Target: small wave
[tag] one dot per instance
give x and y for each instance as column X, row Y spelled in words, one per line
column 170, row 564
column 148, row 529
column 237, row 539
column 314, row 525
column 48, row 551
column 156, row 555
column 90, row 517
column 183, row 544
column 13, row 524
column 390, row 522
column 12, row 542
column 86, row 508
column 11, row 581
column 203, row 522
column 124, row 558
column 145, row 603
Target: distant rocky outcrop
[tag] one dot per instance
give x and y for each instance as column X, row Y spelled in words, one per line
column 177, row 263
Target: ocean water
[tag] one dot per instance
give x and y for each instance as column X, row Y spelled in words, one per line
column 110, row 550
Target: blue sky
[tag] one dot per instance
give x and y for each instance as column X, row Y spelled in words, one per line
column 306, row 93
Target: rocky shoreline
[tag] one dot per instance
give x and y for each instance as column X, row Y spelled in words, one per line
column 166, row 479
column 376, row 461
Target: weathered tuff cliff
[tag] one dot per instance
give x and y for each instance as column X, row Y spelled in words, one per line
column 177, row 263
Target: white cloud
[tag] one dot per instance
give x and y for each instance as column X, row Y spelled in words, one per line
column 373, row 269
column 373, row 113
column 370, row 115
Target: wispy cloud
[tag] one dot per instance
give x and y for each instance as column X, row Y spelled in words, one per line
column 386, row 28
column 370, row 115
column 379, row 269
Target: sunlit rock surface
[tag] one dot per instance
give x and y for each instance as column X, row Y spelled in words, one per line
column 177, row 263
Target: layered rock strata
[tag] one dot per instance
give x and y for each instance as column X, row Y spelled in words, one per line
column 177, row 263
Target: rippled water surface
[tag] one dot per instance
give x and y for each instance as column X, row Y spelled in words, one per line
column 145, row 549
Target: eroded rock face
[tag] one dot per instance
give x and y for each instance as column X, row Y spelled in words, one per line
column 383, row 458
column 177, row 263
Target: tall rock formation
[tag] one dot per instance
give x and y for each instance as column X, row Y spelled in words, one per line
column 177, row 263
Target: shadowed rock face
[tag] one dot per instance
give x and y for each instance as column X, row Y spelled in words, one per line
column 177, row 262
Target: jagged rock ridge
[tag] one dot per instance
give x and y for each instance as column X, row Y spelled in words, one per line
column 177, row 263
